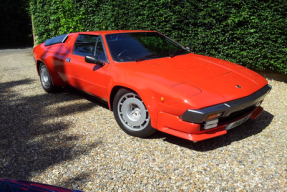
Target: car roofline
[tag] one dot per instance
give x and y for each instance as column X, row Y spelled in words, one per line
column 111, row 32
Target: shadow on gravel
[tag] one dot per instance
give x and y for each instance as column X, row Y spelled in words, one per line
column 81, row 94
column 30, row 131
column 77, row 182
column 247, row 129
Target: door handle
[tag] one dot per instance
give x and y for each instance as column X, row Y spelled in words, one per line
column 68, row 59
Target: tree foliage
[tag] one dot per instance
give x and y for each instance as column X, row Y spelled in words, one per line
column 251, row 33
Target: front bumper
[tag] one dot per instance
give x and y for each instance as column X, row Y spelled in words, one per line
column 228, row 108
column 173, row 125
column 190, row 125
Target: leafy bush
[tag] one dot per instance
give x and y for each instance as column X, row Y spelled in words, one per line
column 251, row 33
column 15, row 24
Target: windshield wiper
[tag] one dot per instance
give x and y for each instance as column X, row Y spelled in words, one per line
column 150, row 55
column 177, row 52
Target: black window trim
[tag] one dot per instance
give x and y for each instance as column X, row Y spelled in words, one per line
column 140, row 32
column 84, row 42
column 107, row 60
column 99, row 36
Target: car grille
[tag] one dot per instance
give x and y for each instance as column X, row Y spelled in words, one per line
column 236, row 114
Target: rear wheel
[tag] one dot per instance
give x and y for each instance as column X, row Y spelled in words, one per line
column 131, row 114
column 46, row 80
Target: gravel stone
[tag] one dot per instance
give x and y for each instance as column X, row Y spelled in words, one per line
column 71, row 140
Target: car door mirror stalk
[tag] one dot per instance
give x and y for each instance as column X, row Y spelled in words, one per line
column 93, row 59
column 188, row 48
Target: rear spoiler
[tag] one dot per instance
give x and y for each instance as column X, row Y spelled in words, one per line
column 55, row 40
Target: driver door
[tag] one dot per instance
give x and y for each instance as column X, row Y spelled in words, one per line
column 88, row 77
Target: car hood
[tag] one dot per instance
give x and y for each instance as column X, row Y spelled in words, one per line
column 215, row 80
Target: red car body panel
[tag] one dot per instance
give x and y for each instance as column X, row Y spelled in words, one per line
column 184, row 82
column 12, row 185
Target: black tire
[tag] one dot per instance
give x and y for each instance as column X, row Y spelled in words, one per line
column 131, row 114
column 46, row 80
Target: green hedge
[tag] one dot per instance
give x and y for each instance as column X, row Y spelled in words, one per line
column 15, row 24
column 251, row 33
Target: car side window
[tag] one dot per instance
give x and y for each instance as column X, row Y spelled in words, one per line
column 100, row 53
column 85, row 45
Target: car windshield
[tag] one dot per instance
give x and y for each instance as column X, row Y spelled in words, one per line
column 142, row 46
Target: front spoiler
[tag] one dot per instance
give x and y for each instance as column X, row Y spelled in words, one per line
column 173, row 125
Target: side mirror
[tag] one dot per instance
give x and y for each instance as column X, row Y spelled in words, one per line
column 93, row 59
column 188, row 48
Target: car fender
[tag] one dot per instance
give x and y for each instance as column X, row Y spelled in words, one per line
column 156, row 97
column 43, row 55
column 147, row 97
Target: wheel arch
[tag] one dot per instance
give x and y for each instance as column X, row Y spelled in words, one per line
column 114, row 91
column 38, row 62
column 145, row 95
column 56, row 79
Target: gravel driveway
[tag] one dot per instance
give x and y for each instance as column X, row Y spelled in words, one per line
column 70, row 139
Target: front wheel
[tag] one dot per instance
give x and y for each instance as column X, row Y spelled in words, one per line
column 131, row 114
column 46, row 80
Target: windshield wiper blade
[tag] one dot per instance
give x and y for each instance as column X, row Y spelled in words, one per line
column 176, row 52
column 150, row 55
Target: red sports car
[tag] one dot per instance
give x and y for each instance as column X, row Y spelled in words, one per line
column 152, row 83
